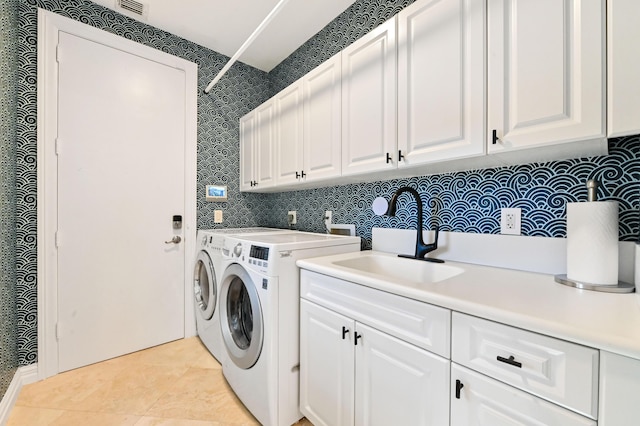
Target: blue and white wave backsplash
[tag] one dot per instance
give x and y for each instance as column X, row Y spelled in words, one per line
column 470, row 201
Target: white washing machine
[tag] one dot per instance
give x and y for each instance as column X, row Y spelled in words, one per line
column 208, row 269
column 259, row 317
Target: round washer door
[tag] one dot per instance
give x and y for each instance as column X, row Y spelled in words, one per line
column 241, row 317
column 205, row 289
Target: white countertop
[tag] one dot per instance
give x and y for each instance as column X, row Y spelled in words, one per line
column 528, row 300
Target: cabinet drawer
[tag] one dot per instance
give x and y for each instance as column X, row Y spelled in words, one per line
column 559, row 371
column 419, row 323
column 481, row 401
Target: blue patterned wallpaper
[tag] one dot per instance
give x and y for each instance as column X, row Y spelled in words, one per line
column 464, row 201
column 470, row 201
column 8, row 70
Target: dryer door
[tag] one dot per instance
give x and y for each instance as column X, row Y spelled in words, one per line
column 241, row 317
column 205, row 288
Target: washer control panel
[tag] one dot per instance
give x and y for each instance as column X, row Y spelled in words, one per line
column 261, row 253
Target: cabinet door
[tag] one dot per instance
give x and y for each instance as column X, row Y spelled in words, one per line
column 619, row 390
column 264, row 146
column 481, row 401
column 288, row 124
column 323, row 121
column 326, row 366
column 247, row 143
column 441, row 81
column 546, row 72
column 369, row 102
column 398, row 383
column 623, row 59
column 554, row 369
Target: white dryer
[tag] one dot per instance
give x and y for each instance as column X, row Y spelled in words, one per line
column 259, row 317
column 208, row 268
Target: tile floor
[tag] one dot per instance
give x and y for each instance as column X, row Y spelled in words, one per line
column 176, row 384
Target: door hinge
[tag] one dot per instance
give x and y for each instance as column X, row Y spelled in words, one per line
column 57, row 239
column 57, row 146
column 58, row 53
column 57, row 331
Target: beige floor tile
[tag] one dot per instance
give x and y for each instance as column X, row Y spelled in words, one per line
column 202, row 394
column 157, row 421
column 68, row 390
column 33, row 416
column 134, row 391
column 177, row 384
column 83, row 418
column 206, row 360
column 180, row 353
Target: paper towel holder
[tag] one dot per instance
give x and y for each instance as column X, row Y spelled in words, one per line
column 621, row 287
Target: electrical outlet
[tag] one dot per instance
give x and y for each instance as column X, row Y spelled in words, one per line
column 217, row 216
column 291, row 217
column 510, row 221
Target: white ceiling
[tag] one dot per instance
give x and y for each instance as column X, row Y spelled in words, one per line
column 224, row 25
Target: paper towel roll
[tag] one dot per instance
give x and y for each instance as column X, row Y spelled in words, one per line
column 592, row 242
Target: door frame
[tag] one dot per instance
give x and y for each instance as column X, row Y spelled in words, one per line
column 49, row 25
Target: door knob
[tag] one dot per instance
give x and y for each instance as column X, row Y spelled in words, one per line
column 175, row 240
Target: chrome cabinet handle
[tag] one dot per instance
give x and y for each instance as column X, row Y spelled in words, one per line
column 175, row 240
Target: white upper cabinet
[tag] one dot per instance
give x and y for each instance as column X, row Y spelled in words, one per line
column 452, row 85
column 308, row 127
column 323, row 121
column 247, row 141
column 257, row 169
column 441, row 81
column 289, row 139
column 264, row 145
column 546, row 74
column 369, row 102
column 623, row 89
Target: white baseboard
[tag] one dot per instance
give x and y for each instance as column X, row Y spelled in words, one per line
column 23, row 376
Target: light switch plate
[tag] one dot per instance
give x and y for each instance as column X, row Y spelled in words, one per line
column 217, row 216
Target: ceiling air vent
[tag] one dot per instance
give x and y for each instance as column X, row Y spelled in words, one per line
column 132, row 8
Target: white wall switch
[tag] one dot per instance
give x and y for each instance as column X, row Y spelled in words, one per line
column 217, row 216
column 510, row 221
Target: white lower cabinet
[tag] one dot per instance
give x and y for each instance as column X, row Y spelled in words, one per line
column 619, row 390
column 351, row 373
column 370, row 357
column 326, row 366
column 553, row 369
column 398, row 383
column 481, row 401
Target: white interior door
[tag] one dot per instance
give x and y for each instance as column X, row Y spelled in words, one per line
column 121, row 171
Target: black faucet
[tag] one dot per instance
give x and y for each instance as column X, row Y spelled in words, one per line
column 421, row 248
